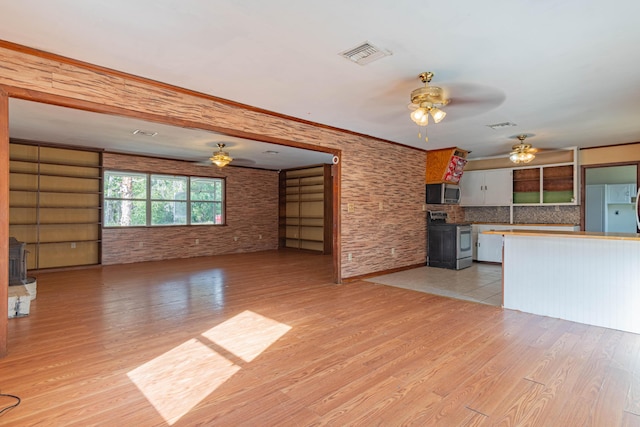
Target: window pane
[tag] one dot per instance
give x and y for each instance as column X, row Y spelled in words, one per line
column 168, row 213
column 219, row 219
column 122, row 185
column 202, row 213
column 206, row 189
column 125, row 213
column 164, row 187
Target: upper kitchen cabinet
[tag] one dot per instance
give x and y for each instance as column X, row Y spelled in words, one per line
column 551, row 184
column 556, row 182
column 550, row 179
column 486, row 188
column 445, row 165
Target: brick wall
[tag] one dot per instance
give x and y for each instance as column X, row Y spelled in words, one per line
column 385, row 185
column 252, row 216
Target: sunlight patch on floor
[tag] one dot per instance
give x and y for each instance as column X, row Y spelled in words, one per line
column 247, row 335
column 179, row 379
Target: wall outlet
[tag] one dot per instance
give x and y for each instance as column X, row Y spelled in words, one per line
column 351, row 207
column 393, row 251
column 235, row 238
column 197, row 241
column 73, row 245
column 349, row 256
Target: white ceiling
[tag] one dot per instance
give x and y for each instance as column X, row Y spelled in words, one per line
column 565, row 71
column 41, row 122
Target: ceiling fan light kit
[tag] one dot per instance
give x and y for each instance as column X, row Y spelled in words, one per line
column 426, row 101
column 221, row 158
column 522, row 152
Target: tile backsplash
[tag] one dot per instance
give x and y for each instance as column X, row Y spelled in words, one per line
column 524, row 214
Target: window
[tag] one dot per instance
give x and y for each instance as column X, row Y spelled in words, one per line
column 138, row 199
column 125, row 199
column 168, row 200
column 206, row 198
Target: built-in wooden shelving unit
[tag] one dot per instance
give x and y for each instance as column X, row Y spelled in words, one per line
column 306, row 209
column 556, row 182
column 54, row 204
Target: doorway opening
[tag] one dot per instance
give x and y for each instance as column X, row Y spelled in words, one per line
column 610, row 198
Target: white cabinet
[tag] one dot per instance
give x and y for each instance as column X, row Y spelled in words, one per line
column 620, row 193
column 486, row 188
column 488, row 247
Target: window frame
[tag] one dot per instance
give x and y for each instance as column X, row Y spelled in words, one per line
column 149, row 200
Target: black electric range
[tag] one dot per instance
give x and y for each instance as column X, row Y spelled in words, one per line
column 448, row 244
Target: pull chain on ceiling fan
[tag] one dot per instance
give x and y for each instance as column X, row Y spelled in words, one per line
column 426, row 101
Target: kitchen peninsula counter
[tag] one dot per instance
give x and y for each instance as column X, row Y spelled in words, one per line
column 586, row 277
column 568, row 234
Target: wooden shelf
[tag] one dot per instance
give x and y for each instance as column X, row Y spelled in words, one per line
column 56, row 163
column 305, row 208
column 54, row 191
column 55, row 202
column 445, row 165
column 56, row 175
column 548, row 184
column 54, row 223
column 59, row 242
column 54, row 207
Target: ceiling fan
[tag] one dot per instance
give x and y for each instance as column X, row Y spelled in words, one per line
column 426, row 101
column 221, row 158
column 522, row 152
column 463, row 100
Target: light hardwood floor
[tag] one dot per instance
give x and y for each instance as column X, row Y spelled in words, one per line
column 266, row 340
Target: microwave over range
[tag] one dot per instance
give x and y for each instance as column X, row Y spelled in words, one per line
column 443, row 194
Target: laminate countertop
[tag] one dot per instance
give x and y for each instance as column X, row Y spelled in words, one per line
column 502, row 224
column 566, row 234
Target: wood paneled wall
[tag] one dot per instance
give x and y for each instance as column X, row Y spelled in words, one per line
column 383, row 182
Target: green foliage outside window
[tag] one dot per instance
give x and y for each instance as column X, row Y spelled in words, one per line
column 173, row 200
column 125, row 197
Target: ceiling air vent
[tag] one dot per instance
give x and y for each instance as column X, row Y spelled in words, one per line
column 364, row 53
column 501, row 125
column 144, row 133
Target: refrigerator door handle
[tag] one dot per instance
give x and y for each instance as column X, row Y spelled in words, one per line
column 637, row 212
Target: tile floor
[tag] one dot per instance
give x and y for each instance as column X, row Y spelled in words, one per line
column 479, row 283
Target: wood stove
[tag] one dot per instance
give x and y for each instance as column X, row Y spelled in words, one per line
column 17, row 262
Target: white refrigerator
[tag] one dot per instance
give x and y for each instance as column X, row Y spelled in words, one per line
column 638, row 210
